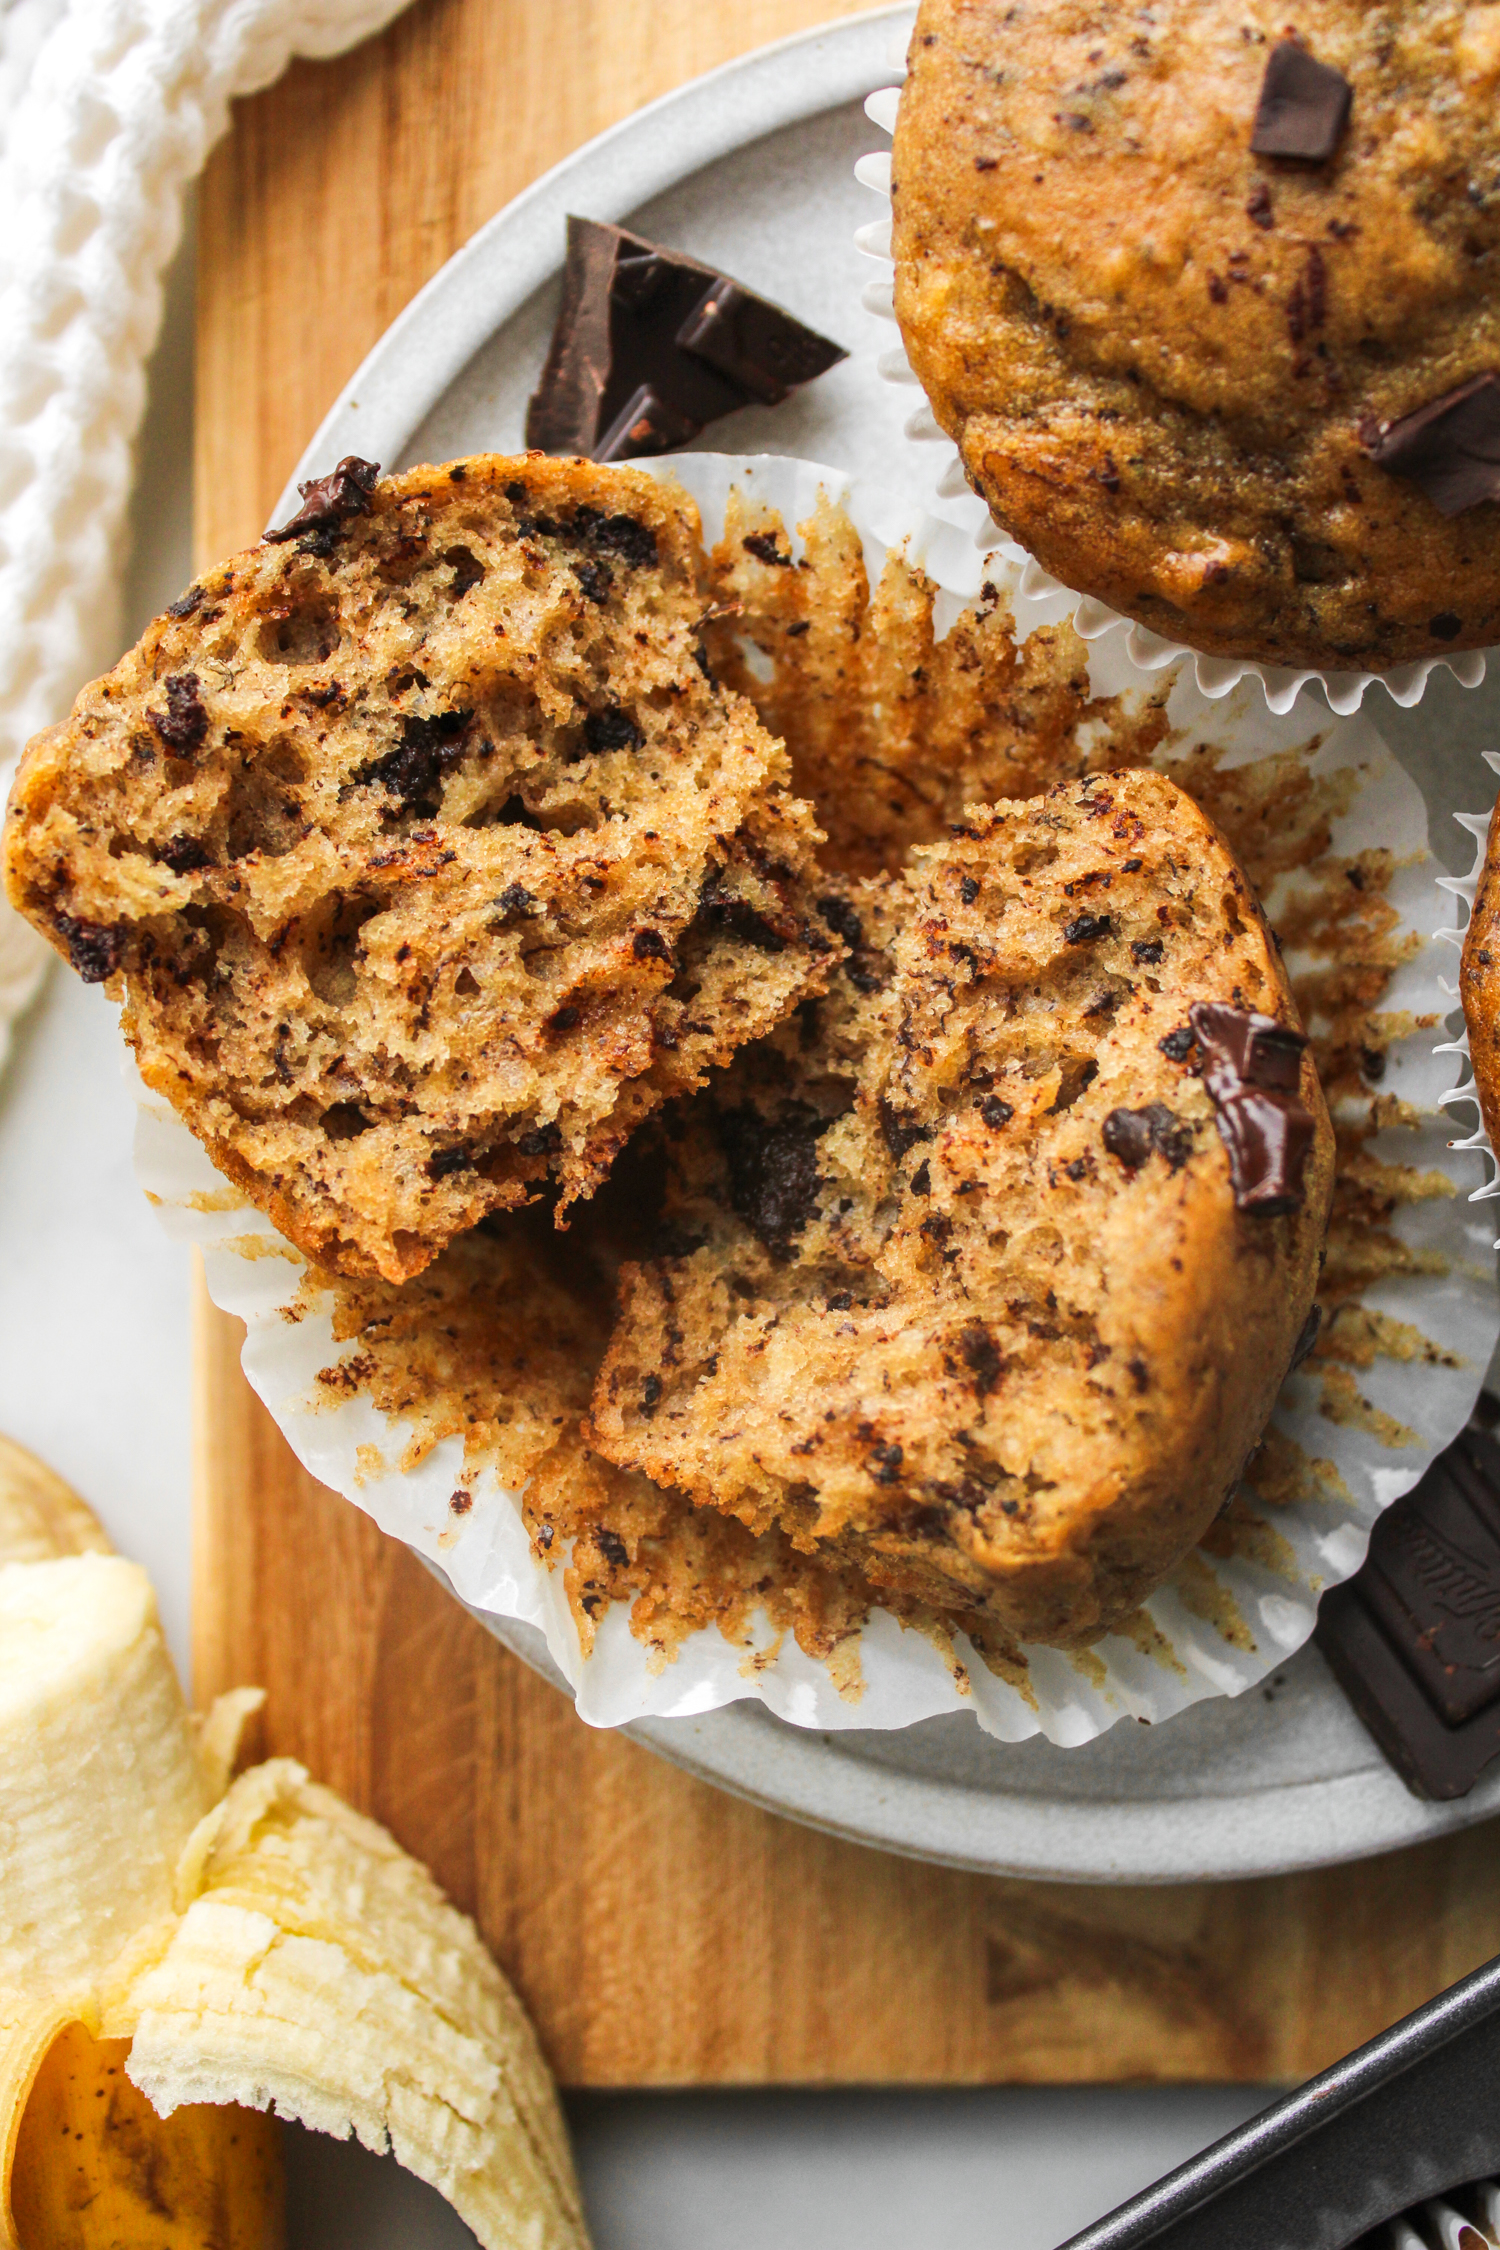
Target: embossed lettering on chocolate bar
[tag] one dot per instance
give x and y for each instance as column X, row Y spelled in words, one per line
column 651, row 345
column 1251, row 1070
column 1414, row 1636
column 1304, row 106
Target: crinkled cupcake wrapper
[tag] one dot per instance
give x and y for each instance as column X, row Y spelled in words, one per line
column 1464, row 887
column 1147, row 652
column 1216, row 1629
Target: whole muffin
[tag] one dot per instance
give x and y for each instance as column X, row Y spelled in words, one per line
column 1183, row 368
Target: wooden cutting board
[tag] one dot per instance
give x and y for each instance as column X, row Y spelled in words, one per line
column 661, row 1933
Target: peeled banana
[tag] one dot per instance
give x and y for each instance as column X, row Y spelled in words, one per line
column 181, row 1955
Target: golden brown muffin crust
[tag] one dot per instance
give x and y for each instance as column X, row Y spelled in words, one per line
column 1157, row 351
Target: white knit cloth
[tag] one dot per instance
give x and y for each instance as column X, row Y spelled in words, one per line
column 108, row 109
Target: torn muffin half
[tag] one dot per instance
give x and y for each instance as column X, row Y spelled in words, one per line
column 423, row 849
column 995, row 1258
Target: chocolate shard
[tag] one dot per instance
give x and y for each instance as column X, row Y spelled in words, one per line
column 1304, row 106
column 1252, row 1067
column 1414, row 1637
column 1450, row 447
column 651, row 345
column 328, row 502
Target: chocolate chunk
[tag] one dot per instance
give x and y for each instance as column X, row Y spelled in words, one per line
column 842, row 920
column 1239, row 1046
column 93, row 947
column 981, row 1355
column 762, row 544
column 651, row 345
column 186, row 854
column 754, row 343
column 184, row 722
column 1414, row 1637
column 444, row 1162
column 650, row 945
column 186, row 603
column 1146, row 952
column 900, row 1133
column 516, row 899
column 613, row 728
column 1450, row 447
column 413, row 771
column 611, row 1546
column 995, row 1111
column 328, row 502
column 1252, row 1069
column 1085, row 927
column 773, row 1170
column 647, row 423
column 1304, row 106
column 1133, row 1135
column 723, row 909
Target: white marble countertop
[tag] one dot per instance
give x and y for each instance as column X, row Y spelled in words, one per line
column 95, row 1376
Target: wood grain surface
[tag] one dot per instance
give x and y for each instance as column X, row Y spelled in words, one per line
column 661, row 1933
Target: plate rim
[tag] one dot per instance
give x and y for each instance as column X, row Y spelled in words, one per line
column 819, row 1783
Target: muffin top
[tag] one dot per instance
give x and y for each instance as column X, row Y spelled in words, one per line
column 1176, row 361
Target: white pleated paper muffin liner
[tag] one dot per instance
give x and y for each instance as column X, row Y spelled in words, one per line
column 1220, row 1625
column 1464, row 887
column 950, row 494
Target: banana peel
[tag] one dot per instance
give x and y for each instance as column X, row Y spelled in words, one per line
column 184, row 1958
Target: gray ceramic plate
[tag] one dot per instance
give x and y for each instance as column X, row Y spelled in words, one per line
column 752, row 168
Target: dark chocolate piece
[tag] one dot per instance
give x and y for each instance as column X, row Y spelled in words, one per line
column 773, row 1170
column 184, row 722
column 328, row 502
column 1133, row 1134
column 1304, row 106
column 1450, row 447
column 1414, row 1637
column 1251, row 1069
column 650, row 345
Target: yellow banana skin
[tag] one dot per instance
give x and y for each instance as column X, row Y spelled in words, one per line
column 95, row 2168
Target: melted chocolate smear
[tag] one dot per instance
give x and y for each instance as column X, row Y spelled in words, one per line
column 650, row 345
column 328, row 502
column 1450, row 448
column 773, row 1170
column 1304, row 106
column 1252, row 1069
column 184, row 722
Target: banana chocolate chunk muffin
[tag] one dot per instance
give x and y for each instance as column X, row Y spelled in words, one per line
column 989, row 1264
column 423, row 849
column 1211, row 306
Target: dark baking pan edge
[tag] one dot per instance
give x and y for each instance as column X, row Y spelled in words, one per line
column 1412, row 2112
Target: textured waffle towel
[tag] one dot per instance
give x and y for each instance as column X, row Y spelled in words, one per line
column 107, row 110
